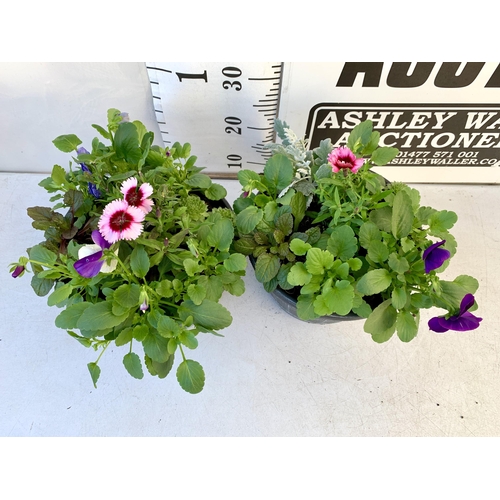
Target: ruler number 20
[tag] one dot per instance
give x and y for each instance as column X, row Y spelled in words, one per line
column 232, row 73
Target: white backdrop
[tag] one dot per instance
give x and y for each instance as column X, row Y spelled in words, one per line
column 41, row 100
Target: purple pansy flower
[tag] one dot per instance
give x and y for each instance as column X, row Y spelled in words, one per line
column 83, row 151
column 18, row 271
column 90, row 262
column 461, row 322
column 94, row 191
column 434, row 256
column 91, row 186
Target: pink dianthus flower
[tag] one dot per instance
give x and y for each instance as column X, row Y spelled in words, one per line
column 344, row 158
column 120, row 221
column 137, row 196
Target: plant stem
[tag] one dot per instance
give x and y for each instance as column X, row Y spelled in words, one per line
column 102, row 352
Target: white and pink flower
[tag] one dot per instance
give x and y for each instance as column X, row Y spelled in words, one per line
column 121, row 221
column 137, row 196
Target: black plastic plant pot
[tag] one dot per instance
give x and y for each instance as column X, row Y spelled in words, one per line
column 288, row 302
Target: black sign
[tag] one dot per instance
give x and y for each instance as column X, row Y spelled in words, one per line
column 427, row 135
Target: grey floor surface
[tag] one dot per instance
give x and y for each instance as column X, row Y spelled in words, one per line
column 271, row 375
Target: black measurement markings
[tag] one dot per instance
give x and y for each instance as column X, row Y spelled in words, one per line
column 268, row 106
column 160, row 120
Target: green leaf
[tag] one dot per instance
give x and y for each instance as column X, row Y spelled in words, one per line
column 102, row 131
column 133, row 365
column 41, row 286
column 420, row 301
column 68, row 318
column 360, row 134
column 188, row 339
column 140, row 332
column 267, row 267
column 378, row 251
column 340, row 298
column 407, row 244
column 317, row 261
column 398, row 298
column 236, row 287
column 342, row 243
column 305, row 307
column 468, row 283
column 124, row 337
column 382, row 319
column 369, row 233
column 167, row 327
column 202, row 181
column 298, row 275
column 235, row 262
column 126, row 143
column 398, row 264
column 299, row 247
column 221, row 234
column 361, row 308
column 402, row 215
column 58, row 175
column 196, row 293
column 127, row 295
column 67, row 143
column 406, row 326
column 159, row 369
column 214, row 287
column 209, row 314
column 245, row 177
column 59, row 294
column 284, row 223
column 245, row 245
column 99, row 316
column 278, row 171
column 156, row 347
column 191, row 376
column 382, row 218
column 247, row 220
column 95, row 372
column 216, row 192
column 441, row 222
column 374, row 281
column 383, row 155
column 452, row 292
column 85, row 342
column 42, row 255
column 298, row 204
column 139, row 262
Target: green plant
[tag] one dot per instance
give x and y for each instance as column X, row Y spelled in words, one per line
column 324, row 227
column 137, row 250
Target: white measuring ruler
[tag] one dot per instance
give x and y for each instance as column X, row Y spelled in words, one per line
column 226, row 111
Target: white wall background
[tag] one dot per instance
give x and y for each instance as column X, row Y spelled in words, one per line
column 42, row 100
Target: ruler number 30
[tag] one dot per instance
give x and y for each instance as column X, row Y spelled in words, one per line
column 231, row 72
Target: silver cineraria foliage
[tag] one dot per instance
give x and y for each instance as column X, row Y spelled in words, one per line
column 296, row 150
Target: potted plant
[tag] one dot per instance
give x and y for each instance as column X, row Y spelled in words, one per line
column 136, row 250
column 332, row 239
